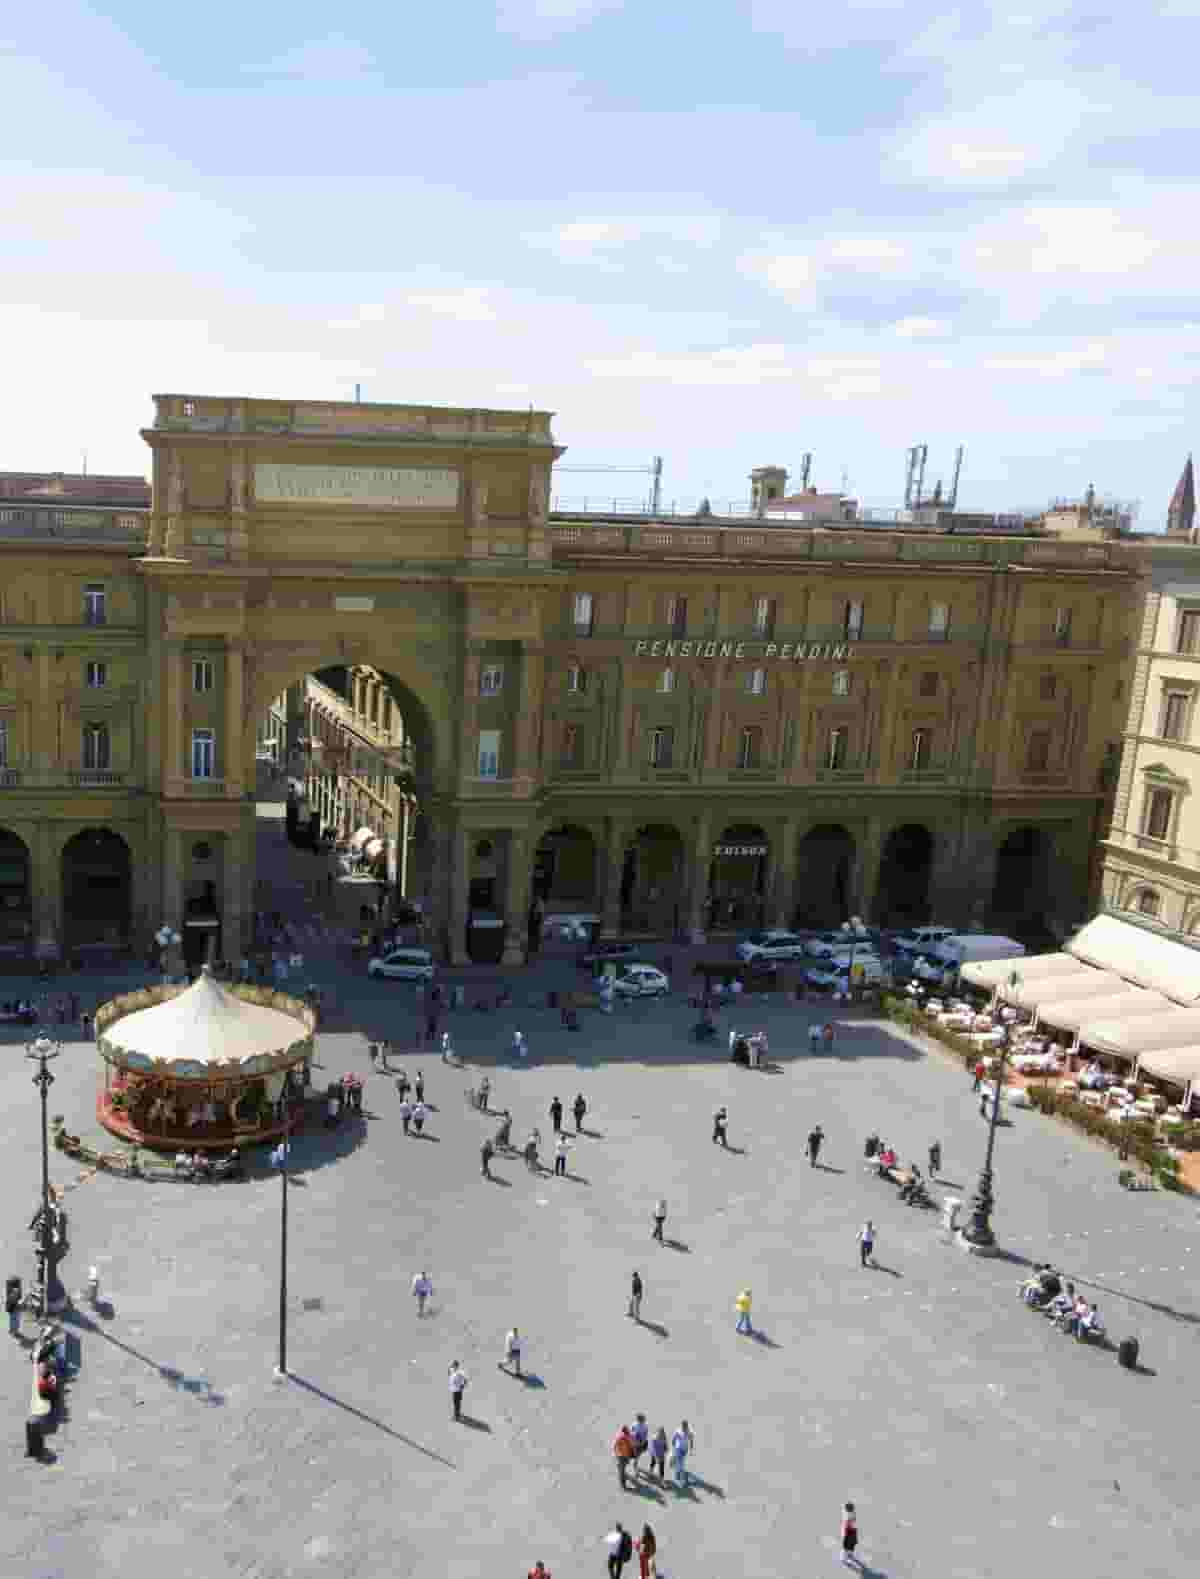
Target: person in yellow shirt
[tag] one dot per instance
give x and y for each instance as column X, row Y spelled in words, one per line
column 742, row 1306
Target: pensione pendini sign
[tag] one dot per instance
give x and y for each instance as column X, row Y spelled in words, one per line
column 785, row 651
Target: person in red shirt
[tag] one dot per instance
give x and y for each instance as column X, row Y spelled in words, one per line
column 624, row 1449
column 979, row 1073
column 539, row 1570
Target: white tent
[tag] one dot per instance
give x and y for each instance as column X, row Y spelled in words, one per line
column 1140, row 956
column 1130, row 1036
column 992, row 973
column 1067, row 1010
column 1178, row 1065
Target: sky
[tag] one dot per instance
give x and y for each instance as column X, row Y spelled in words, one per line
column 727, row 234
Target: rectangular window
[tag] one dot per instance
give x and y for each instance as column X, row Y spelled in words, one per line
column 666, row 681
column 489, row 753
column 750, row 748
column 1048, row 687
column 1037, row 751
column 677, row 615
column 582, row 618
column 929, row 683
column 841, row 682
column 662, row 747
column 96, row 755
column 202, row 674
column 1148, row 902
column 1189, row 632
column 204, row 753
column 852, row 621
column 95, row 675
column 764, row 618
column 756, row 682
column 939, row 621
column 491, row 679
column 1174, row 715
column 576, row 680
column 1159, row 805
column 835, row 751
column 572, row 746
column 1062, row 627
column 95, row 610
column 918, row 756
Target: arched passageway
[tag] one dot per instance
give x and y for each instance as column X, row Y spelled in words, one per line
column 905, row 869
column 564, row 869
column 738, row 877
column 1022, row 886
column 825, row 868
column 652, row 880
column 97, row 889
column 16, row 895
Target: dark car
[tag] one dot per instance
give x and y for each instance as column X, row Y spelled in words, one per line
column 603, row 953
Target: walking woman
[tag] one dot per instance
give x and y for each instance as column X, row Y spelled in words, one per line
column 647, row 1550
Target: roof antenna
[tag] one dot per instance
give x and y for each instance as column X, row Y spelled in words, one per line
column 358, row 394
column 85, row 463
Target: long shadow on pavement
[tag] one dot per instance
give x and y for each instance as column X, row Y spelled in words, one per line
column 359, row 1414
column 197, row 1386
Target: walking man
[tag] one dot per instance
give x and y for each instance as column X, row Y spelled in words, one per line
column 580, row 1108
column 402, row 1083
column 978, row 1075
column 635, row 1297
column 458, row 1386
column 866, row 1243
column 556, row 1113
column 720, row 1122
column 640, row 1432
column 419, row 1086
column 935, row 1159
column 620, row 1549
column 658, row 1454
column 623, row 1451
column 742, row 1305
column 418, row 1117
column 560, row 1156
column 512, row 1351
column 422, row 1288
column 682, row 1444
column 660, row 1217
column 406, row 1113
column 815, row 1137
column 486, row 1152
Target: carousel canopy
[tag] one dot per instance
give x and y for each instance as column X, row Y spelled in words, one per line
column 205, row 1031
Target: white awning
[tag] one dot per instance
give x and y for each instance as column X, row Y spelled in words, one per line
column 1178, row 1065
column 991, row 973
column 1129, row 1037
column 1066, row 1011
column 1140, row 956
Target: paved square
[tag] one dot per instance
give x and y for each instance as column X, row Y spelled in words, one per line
column 975, row 1441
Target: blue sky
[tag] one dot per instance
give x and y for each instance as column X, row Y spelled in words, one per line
column 727, row 234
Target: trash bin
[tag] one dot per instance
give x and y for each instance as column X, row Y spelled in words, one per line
column 35, row 1437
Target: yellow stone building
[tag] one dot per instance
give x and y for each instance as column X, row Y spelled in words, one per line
column 679, row 725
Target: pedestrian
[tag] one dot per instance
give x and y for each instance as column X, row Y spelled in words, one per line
column 720, row 1122
column 640, row 1432
column 978, row 1075
column 742, row 1305
column 658, row 1453
column 485, row 1091
column 556, row 1113
column 660, row 1217
column 406, row 1113
column 418, row 1117
column 827, row 1033
column 419, row 1086
column 682, row 1444
column 623, row 1451
column 539, row 1570
column 402, row 1084
column 560, row 1156
column 431, row 1024
column 422, row 1289
column 333, row 1108
column 815, row 1137
column 12, row 1304
column 512, row 1351
column 486, row 1152
column 850, row 1536
column 647, row 1550
column 935, row 1159
column 866, row 1243
column 519, row 1047
column 620, row 1549
column 458, row 1386
column 635, row 1297
column 579, row 1109
column 85, row 1024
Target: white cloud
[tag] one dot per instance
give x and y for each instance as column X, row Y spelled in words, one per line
column 874, row 250
column 730, row 366
column 580, row 237
column 920, row 328
column 1090, row 357
column 543, row 19
column 469, row 305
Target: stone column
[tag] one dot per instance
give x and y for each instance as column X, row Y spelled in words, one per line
column 519, row 877
column 233, row 888
column 46, row 882
column 866, row 868
column 459, row 878
column 699, row 862
column 235, row 713
column 783, row 872
column 614, row 866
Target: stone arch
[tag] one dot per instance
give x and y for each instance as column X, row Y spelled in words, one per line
column 825, row 859
column 737, row 883
column 16, row 894
column 97, row 888
column 653, row 876
column 905, row 874
column 1024, row 877
column 566, row 867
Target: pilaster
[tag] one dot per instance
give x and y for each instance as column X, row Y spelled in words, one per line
column 235, row 713
column 783, row 872
column 699, row 866
column 614, row 866
column 518, row 880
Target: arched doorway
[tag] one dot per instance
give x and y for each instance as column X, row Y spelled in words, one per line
column 738, row 877
column 825, row 866
column 1024, row 867
column 16, row 895
column 97, row 889
column 564, row 870
column 905, row 868
column 652, row 881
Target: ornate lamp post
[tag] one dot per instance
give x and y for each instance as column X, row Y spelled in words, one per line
column 54, row 1296
column 165, row 938
column 279, row 1159
column 855, row 931
column 978, row 1235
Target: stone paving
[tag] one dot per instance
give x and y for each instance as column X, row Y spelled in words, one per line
column 975, row 1440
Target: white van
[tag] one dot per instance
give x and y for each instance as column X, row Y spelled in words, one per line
column 403, row 964
column 969, row 948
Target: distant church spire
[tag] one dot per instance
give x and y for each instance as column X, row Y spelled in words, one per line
column 1181, row 512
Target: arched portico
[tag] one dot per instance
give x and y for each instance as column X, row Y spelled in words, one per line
column 905, row 872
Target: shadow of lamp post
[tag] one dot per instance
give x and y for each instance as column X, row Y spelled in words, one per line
column 978, row 1234
column 53, row 1295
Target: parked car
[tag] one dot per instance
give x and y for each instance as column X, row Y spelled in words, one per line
column 770, row 945
column 403, row 964
column 917, row 939
column 577, row 928
column 606, row 953
column 641, row 981
column 831, row 974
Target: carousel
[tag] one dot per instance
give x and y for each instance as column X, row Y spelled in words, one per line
column 208, row 1065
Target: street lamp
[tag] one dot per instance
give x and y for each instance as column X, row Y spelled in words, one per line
column 165, row 937
column 279, row 1159
column 53, row 1295
column 978, row 1234
column 855, row 931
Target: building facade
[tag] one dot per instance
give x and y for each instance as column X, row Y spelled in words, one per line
column 679, row 726
column 1151, row 857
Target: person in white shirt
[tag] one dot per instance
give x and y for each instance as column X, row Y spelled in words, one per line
column 866, row 1242
column 512, row 1351
column 418, row 1117
column 560, row 1156
column 458, row 1385
column 422, row 1288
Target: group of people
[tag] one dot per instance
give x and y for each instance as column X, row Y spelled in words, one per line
column 631, row 1443
column 1044, row 1290
column 621, row 1547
